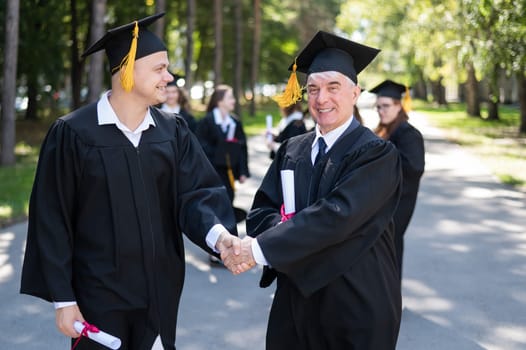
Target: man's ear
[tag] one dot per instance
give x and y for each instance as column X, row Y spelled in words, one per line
column 357, row 90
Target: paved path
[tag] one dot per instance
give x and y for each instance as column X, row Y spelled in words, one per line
column 464, row 283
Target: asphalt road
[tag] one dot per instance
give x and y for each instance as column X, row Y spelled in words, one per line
column 464, row 280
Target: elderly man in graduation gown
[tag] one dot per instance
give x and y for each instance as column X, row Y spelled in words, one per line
column 117, row 183
column 333, row 257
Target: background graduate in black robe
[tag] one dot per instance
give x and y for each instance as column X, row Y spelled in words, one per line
column 116, row 184
column 394, row 126
column 334, row 259
column 177, row 102
column 291, row 124
column 224, row 141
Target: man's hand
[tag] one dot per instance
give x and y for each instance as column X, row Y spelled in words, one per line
column 241, row 262
column 226, row 242
column 65, row 317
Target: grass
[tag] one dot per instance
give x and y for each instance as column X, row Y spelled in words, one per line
column 15, row 185
column 496, row 142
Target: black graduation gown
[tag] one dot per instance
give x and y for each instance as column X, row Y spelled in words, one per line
column 214, row 143
column 340, row 242
column 295, row 128
column 410, row 144
column 105, row 218
column 189, row 118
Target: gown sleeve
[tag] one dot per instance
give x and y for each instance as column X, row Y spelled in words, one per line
column 47, row 267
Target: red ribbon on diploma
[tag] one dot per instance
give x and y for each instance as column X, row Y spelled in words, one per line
column 87, row 328
column 285, row 217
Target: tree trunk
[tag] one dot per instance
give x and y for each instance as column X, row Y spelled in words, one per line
column 75, row 63
column 218, row 34
column 190, row 19
column 7, row 150
column 96, row 63
column 439, row 92
column 494, row 95
column 521, row 82
column 254, row 62
column 472, row 95
column 160, row 6
column 238, row 55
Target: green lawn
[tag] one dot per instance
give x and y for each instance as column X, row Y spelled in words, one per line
column 15, row 185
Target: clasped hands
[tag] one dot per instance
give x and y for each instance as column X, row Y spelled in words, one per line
column 236, row 253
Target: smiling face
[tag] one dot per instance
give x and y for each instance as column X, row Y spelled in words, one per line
column 332, row 97
column 151, row 76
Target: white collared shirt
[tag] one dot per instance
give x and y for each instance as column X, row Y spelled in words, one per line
column 330, row 138
column 226, row 124
column 169, row 109
column 106, row 115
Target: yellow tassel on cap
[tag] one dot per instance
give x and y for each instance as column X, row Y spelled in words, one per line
column 128, row 62
column 292, row 93
column 407, row 103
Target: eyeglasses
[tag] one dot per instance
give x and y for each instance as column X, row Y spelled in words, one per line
column 383, row 106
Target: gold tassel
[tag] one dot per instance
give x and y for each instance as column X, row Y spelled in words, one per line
column 230, row 173
column 128, row 62
column 292, row 93
column 407, row 103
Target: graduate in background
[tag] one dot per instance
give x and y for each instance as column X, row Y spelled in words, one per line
column 334, row 259
column 394, row 126
column 222, row 136
column 177, row 102
column 291, row 124
column 117, row 182
column 224, row 141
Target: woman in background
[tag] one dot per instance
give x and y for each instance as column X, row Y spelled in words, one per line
column 394, row 126
column 224, row 141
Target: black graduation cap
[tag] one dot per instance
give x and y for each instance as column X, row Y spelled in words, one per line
column 127, row 43
column 329, row 52
column 389, row 88
column 326, row 52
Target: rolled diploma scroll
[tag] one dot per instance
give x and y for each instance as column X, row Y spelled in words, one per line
column 269, row 127
column 287, row 186
column 100, row 337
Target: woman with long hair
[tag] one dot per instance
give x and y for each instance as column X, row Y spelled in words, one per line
column 394, row 126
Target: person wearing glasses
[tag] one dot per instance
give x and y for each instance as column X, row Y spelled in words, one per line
column 394, row 126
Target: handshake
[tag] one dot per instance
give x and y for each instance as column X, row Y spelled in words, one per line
column 236, row 253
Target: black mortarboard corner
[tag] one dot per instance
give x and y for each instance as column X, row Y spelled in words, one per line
column 127, row 43
column 328, row 52
column 389, row 88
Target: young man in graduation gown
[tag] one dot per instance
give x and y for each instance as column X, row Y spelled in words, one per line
column 116, row 184
column 334, row 259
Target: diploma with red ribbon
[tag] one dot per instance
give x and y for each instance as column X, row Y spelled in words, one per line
column 288, row 207
column 88, row 330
